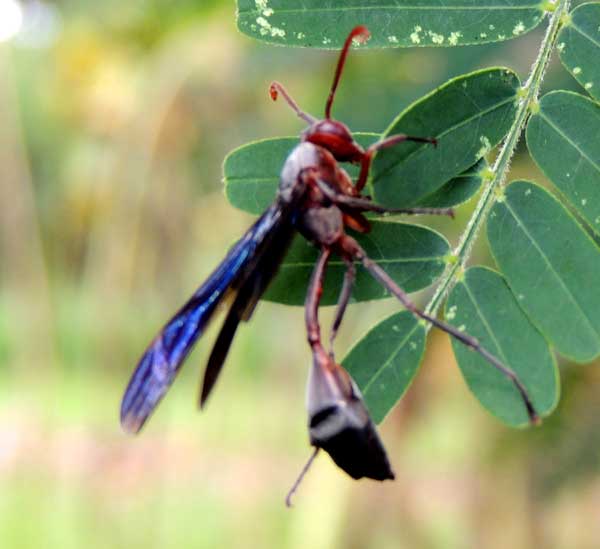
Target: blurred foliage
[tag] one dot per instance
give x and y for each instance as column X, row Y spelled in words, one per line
column 115, row 119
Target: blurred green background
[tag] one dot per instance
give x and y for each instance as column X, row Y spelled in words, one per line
column 114, row 120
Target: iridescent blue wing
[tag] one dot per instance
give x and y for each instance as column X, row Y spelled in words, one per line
column 243, row 306
column 162, row 360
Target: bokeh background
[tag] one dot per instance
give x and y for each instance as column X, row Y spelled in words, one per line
column 114, row 121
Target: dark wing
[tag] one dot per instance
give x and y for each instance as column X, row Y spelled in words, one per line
column 160, row 363
column 243, row 306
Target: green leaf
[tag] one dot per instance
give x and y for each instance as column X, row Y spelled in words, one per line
column 252, row 170
column 413, row 256
column 393, row 23
column 579, row 47
column 468, row 115
column 564, row 140
column 484, row 306
column 458, row 190
column 551, row 265
column 384, row 362
column 252, row 173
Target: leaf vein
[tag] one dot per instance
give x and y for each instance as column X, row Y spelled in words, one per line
column 550, row 268
column 484, row 9
column 562, row 134
column 585, row 34
column 386, row 364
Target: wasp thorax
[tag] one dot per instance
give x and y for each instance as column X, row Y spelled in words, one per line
column 336, row 138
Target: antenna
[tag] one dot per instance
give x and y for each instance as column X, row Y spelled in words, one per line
column 361, row 34
column 276, row 88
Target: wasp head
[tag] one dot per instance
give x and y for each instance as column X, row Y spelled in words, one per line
column 336, row 137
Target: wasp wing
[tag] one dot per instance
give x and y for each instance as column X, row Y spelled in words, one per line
column 162, row 360
column 243, row 306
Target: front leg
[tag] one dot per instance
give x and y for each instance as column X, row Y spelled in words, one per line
column 365, row 164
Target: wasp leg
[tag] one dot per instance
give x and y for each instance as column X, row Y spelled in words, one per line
column 365, row 164
column 365, row 205
column 343, row 300
column 350, row 246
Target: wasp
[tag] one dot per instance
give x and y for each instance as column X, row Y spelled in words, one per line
column 317, row 198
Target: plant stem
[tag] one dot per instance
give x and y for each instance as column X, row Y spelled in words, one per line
column 498, row 173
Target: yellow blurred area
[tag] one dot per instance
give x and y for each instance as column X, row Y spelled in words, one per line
column 112, row 135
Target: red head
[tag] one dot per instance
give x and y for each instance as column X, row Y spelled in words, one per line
column 328, row 133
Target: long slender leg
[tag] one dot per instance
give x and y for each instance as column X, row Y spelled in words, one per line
column 365, row 205
column 365, row 164
column 350, row 245
column 313, row 298
column 343, row 300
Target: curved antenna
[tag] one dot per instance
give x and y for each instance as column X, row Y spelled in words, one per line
column 361, row 34
column 276, row 88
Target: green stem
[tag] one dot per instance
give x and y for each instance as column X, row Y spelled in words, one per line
column 497, row 175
